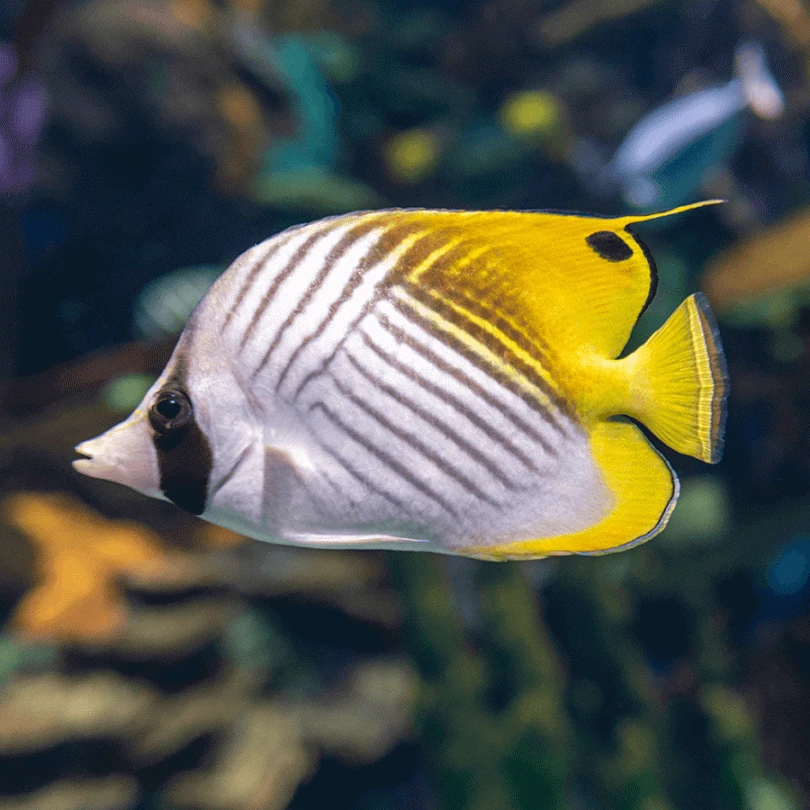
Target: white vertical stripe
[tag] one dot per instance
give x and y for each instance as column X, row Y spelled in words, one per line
column 509, row 402
column 291, row 290
column 237, row 275
column 341, row 316
column 325, row 299
column 425, row 500
column 455, row 421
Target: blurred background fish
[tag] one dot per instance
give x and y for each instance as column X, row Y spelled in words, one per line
column 163, row 306
column 672, row 151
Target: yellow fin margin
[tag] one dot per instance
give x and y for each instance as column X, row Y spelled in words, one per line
column 646, row 489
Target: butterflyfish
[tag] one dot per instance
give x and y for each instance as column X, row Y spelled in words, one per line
column 438, row 380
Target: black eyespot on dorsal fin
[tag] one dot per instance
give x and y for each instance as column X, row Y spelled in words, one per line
column 610, row 246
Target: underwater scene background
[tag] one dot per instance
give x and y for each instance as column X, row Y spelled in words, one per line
column 149, row 660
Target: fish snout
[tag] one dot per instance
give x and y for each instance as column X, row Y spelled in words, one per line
column 100, row 458
column 124, row 454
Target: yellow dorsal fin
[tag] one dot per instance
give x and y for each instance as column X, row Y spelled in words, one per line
column 606, row 276
column 632, row 219
column 573, row 281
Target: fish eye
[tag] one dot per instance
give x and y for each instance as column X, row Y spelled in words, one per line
column 170, row 410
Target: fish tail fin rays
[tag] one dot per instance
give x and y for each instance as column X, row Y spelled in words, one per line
column 681, row 384
column 645, row 488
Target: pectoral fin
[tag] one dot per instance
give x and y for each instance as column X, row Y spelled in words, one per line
column 285, row 472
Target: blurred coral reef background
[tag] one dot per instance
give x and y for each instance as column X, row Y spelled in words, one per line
column 149, row 661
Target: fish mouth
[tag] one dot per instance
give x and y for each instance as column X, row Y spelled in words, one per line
column 82, row 464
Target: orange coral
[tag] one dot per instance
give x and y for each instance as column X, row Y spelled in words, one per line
column 241, row 112
column 80, row 557
column 211, row 536
column 774, row 259
column 194, row 13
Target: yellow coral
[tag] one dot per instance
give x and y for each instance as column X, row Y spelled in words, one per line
column 775, row 259
column 531, row 113
column 239, row 107
column 194, row 13
column 412, row 155
column 210, row 536
column 240, row 110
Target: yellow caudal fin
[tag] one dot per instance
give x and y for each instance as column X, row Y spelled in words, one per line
column 680, row 385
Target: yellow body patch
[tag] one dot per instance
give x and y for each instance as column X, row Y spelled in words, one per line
column 645, row 490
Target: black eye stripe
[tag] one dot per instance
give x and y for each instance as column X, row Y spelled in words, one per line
column 185, row 462
column 184, row 456
column 609, row 246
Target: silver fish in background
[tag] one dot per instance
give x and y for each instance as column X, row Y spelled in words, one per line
column 429, row 379
column 666, row 155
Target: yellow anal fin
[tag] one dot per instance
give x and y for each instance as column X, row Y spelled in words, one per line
column 645, row 488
